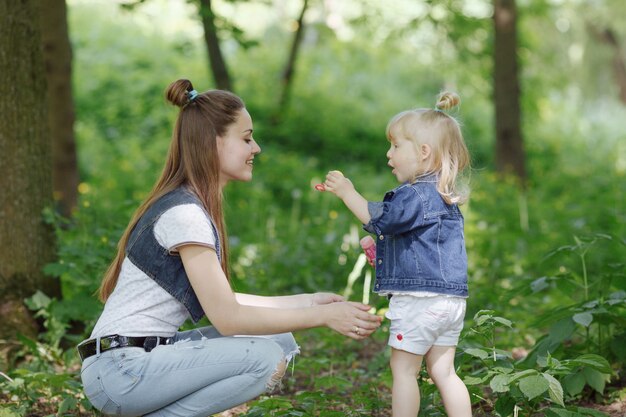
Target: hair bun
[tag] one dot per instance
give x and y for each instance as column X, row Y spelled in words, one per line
column 447, row 100
column 177, row 92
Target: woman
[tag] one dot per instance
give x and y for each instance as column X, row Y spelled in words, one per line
column 172, row 263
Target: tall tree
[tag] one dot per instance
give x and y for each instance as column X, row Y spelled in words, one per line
column 27, row 243
column 290, row 65
column 510, row 155
column 608, row 37
column 57, row 53
column 216, row 59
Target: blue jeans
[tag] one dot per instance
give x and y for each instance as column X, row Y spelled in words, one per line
column 200, row 374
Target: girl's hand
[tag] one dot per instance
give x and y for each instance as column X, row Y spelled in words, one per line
column 351, row 319
column 321, row 298
column 337, row 184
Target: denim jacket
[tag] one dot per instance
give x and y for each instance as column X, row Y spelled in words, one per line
column 420, row 241
column 166, row 268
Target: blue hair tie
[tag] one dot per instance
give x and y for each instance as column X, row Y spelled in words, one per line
column 191, row 95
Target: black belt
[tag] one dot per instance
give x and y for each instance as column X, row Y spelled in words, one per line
column 114, row 341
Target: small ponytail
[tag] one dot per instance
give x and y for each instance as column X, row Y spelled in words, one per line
column 447, row 101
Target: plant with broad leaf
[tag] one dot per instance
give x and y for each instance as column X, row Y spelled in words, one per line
column 595, row 320
column 517, row 388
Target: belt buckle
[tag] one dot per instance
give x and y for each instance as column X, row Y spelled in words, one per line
column 80, row 347
column 150, row 343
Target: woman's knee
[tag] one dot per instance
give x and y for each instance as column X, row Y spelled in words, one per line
column 287, row 343
column 272, row 362
column 278, row 374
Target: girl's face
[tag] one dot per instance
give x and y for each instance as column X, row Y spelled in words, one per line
column 237, row 149
column 404, row 158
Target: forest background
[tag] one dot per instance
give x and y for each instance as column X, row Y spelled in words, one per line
column 543, row 88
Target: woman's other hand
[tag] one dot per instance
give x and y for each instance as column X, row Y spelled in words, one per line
column 351, row 319
column 321, row 298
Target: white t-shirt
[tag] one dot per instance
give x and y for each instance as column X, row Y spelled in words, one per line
column 138, row 306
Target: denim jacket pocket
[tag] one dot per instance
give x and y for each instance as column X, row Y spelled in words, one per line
column 406, row 257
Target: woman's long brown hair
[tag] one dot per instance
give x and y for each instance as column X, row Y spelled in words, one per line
column 192, row 160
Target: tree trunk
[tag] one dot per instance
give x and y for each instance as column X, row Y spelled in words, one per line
column 287, row 76
column 216, row 60
column 27, row 243
column 510, row 157
column 608, row 37
column 57, row 54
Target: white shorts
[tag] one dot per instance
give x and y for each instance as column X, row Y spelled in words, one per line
column 418, row 323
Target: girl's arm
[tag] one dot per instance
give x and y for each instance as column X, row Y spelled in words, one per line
column 288, row 301
column 230, row 317
column 343, row 188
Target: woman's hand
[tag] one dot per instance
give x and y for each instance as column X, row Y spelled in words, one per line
column 337, row 184
column 351, row 319
column 321, row 298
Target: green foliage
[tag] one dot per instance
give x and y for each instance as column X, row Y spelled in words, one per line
column 46, row 382
column 548, row 259
column 517, row 387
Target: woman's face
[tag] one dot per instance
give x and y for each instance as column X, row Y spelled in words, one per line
column 237, row 149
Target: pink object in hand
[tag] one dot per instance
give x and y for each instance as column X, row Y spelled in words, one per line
column 369, row 247
column 320, row 187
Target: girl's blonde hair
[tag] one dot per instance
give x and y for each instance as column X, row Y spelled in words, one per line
column 192, row 161
column 434, row 127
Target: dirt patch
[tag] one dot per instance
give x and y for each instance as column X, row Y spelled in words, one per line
column 617, row 409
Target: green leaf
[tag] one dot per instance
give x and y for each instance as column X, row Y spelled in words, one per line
column 481, row 320
column 522, row 374
column 38, row 301
column 574, row 383
column 31, row 344
column 596, row 362
column 555, row 390
column 5, row 412
column 500, row 383
column 539, row 284
column 595, row 379
column 67, row 404
column 479, row 353
column 502, row 370
column 560, row 412
column 617, row 346
column 505, row 405
column 472, row 380
column 618, row 295
column 479, row 313
column 590, row 412
column 504, row 321
column 561, row 330
column 583, row 319
column 533, row 386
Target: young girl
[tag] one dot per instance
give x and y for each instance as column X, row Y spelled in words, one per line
column 172, row 263
column 420, row 256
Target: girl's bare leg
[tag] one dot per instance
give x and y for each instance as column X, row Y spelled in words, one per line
column 405, row 401
column 440, row 366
